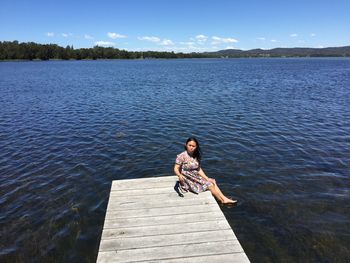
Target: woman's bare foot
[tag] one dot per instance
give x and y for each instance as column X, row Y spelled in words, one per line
column 229, row 201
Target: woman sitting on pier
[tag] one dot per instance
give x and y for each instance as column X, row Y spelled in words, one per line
column 191, row 175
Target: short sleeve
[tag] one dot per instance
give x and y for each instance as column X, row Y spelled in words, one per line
column 179, row 159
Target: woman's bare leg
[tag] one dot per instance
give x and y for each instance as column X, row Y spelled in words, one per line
column 215, row 193
column 215, row 190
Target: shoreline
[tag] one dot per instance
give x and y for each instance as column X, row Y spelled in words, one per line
column 223, row 58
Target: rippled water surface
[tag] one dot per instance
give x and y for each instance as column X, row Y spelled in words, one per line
column 275, row 133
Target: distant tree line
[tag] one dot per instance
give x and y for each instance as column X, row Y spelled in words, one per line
column 13, row 50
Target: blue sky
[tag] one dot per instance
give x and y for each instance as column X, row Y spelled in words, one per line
column 180, row 26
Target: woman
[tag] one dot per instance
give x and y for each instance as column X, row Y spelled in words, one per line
column 191, row 175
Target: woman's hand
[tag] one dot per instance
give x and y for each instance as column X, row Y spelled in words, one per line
column 178, row 173
column 212, row 180
column 181, row 178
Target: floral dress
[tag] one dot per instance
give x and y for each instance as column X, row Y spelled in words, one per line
column 189, row 168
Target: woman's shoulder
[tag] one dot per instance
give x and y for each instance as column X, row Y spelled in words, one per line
column 181, row 157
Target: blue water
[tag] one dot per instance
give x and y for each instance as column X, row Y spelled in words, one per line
column 275, row 133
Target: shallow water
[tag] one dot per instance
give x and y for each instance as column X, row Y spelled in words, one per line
column 274, row 134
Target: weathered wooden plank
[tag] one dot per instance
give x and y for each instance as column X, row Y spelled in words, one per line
column 115, row 204
column 166, row 240
column 159, row 182
column 144, row 181
column 147, row 191
column 172, row 195
column 162, row 220
column 154, row 230
column 220, row 258
column 174, row 210
column 143, row 186
column 239, row 257
column 169, row 252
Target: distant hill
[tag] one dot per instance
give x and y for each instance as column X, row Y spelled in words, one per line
column 283, row 52
column 14, row 50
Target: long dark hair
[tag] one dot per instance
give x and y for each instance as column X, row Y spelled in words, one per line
column 197, row 153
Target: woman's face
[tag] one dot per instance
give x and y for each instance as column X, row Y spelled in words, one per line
column 191, row 146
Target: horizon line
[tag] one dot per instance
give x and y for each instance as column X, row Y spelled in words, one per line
column 128, row 50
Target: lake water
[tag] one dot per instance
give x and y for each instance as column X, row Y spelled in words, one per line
column 275, row 133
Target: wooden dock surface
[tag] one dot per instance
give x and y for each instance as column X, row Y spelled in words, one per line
column 147, row 221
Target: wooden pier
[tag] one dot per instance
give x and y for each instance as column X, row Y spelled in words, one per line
column 147, row 221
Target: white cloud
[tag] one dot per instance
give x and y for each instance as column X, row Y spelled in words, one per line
column 66, row 34
column 201, row 38
column 151, row 39
column 50, row 34
column 293, row 35
column 104, row 44
column 188, row 49
column 183, row 49
column 230, row 47
column 220, row 40
column 187, row 43
column 166, row 42
column 261, row 38
column 88, row 36
column 312, row 34
column 115, row 35
column 273, row 40
column 320, row 46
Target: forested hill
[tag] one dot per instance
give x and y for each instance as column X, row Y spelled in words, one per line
column 13, row 50
column 285, row 52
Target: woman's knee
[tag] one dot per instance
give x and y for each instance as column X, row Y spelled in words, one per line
column 212, row 188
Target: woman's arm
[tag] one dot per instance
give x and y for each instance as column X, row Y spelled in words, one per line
column 177, row 171
column 205, row 177
column 201, row 173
